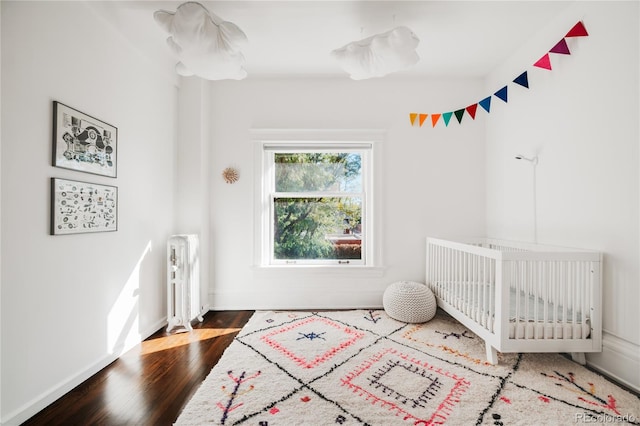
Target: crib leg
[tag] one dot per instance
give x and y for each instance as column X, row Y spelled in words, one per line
column 492, row 354
column 579, row 357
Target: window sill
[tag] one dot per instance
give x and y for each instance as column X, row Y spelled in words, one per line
column 345, row 270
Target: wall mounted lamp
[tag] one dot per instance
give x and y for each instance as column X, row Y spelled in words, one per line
column 534, row 161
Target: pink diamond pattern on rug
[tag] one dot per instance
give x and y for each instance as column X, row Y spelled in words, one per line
column 415, row 390
column 305, row 341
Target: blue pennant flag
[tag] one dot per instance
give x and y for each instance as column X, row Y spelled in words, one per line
column 502, row 93
column 522, row 80
column 486, row 103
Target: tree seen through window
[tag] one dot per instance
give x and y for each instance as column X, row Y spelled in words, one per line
column 317, row 205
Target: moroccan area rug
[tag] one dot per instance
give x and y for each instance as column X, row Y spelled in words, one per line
column 362, row 367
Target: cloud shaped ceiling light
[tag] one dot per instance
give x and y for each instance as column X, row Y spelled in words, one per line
column 205, row 45
column 380, row 54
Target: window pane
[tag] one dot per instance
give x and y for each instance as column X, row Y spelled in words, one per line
column 304, row 172
column 318, row 228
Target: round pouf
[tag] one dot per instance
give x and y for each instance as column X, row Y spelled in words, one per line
column 409, row 301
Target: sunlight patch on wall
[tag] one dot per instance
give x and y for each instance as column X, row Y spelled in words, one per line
column 123, row 330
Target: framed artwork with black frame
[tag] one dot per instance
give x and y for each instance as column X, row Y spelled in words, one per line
column 83, row 143
column 81, row 207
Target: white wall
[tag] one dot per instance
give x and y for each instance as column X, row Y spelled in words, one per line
column 71, row 304
column 192, row 206
column 432, row 181
column 581, row 119
column 0, row 216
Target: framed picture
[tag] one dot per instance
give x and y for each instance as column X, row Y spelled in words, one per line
column 83, row 143
column 80, row 207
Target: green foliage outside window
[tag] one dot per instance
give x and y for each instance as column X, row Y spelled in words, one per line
column 304, row 224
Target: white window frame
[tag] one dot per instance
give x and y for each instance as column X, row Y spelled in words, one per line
column 267, row 142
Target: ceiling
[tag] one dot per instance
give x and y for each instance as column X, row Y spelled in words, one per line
column 457, row 38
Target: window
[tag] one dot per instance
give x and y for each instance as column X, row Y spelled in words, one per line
column 317, row 203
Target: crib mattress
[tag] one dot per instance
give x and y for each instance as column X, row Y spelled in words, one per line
column 531, row 326
column 548, row 330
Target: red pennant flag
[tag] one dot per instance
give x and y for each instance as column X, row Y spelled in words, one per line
column 422, row 118
column 434, row 119
column 578, row 30
column 561, row 48
column 471, row 109
column 412, row 117
column 544, row 62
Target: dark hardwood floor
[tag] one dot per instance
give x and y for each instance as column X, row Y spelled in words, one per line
column 150, row 384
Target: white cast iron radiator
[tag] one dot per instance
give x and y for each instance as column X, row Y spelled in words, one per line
column 183, row 281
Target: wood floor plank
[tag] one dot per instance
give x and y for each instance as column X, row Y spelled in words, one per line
column 150, row 384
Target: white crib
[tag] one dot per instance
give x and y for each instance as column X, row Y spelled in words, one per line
column 520, row 297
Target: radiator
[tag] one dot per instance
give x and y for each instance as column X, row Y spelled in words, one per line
column 183, row 282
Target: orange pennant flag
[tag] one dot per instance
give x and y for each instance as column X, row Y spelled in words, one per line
column 412, row 117
column 471, row 109
column 434, row 119
column 422, row 118
column 544, row 62
column 578, row 30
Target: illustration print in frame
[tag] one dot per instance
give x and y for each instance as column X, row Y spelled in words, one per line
column 80, row 207
column 83, row 143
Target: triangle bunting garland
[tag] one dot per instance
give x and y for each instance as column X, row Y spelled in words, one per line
column 522, row 80
column 544, row 62
column 486, row 103
column 561, row 48
column 578, row 30
column 471, row 110
column 502, row 94
column 446, row 117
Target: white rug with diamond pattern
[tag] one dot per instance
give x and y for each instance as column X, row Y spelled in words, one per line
column 363, row 367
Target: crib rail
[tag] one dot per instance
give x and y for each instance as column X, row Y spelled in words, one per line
column 518, row 291
column 464, row 277
column 550, row 299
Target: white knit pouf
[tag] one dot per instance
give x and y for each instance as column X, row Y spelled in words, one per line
column 409, row 301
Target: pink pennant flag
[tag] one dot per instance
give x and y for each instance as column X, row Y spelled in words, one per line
column 543, row 62
column 578, row 30
column 561, row 48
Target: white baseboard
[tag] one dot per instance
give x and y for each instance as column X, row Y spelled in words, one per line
column 57, row 391
column 46, row 398
column 619, row 360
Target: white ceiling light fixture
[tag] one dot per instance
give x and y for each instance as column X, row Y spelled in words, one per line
column 380, row 54
column 205, row 45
